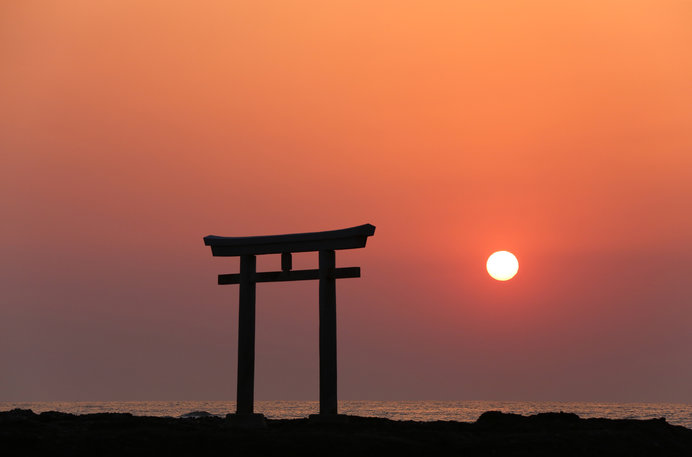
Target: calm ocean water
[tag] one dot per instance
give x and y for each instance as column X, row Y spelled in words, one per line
column 465, row 411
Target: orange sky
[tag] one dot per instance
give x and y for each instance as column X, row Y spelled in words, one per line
column 557, row 130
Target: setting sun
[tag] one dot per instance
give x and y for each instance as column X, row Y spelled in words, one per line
column 502, row 265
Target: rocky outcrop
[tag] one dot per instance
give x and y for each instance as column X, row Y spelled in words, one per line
column 23, row 432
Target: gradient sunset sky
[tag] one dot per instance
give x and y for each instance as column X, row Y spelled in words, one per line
column 558, row 130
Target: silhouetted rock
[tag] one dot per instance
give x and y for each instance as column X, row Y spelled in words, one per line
column 550, row 434
column 499, row 420
column 195, row 415
column 19, row 414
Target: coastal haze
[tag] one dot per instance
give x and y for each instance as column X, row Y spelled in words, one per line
column 558, row 131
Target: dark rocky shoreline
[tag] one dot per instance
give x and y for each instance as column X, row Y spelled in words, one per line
column 23, row 432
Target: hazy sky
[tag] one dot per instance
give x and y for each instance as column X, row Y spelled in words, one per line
column 560, row 131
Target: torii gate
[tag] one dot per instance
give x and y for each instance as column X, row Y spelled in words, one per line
column 247, row 248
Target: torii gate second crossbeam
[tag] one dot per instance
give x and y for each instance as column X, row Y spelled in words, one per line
column 247, row 248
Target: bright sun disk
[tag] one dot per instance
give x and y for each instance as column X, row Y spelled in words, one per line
column 502, row 265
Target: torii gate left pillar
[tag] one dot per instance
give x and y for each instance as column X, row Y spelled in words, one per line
column 247, row 248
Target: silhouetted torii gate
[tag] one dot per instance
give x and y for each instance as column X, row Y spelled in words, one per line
column 247, row 248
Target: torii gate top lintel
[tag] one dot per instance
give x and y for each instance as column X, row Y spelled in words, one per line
column 247, row 248
column 349, row 238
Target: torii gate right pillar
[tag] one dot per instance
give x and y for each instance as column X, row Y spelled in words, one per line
column 246, row 336
column 328, row 402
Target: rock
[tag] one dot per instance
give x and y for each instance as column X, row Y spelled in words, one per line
column 18, row 413
column 196, row 414
column 25, row 433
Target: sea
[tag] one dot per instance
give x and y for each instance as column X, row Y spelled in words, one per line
column 463, row 411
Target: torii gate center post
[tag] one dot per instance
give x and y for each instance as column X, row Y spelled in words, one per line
column 247, row 248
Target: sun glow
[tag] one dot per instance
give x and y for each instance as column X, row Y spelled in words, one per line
column 502, row 265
